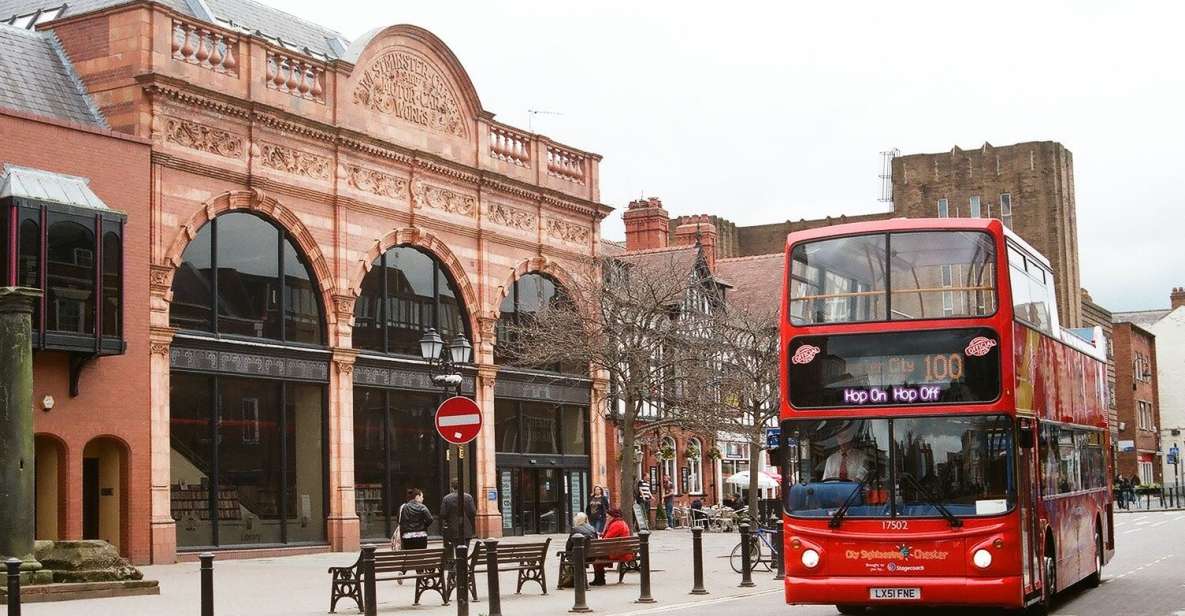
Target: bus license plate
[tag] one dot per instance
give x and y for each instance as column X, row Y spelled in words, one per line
column 895, row 594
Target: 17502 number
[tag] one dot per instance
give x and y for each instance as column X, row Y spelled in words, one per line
column 894, row 524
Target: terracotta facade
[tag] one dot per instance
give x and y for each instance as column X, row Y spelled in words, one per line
column 387, row 146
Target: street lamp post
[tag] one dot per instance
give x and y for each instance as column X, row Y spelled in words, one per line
column 446, row 374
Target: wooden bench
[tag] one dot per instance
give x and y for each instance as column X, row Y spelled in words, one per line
column 426, row 567
column 527, row 559
column 600, row 551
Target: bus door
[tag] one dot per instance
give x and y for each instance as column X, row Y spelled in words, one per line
column 1028, row 502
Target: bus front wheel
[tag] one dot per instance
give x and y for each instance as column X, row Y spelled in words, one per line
column 1093, row 580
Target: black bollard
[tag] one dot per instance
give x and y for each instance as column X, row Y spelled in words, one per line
column 368, row 591
column 779, row 552
column 461, row 575
column 14, row 586
column 644, row 566
column 207, row 570
column 492, row 577
column 578, row 580
column 746, row 567
column 697, row 561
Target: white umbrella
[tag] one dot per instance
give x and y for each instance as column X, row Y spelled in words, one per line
column 742, row 479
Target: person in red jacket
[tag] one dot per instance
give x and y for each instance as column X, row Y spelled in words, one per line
column 616, row 528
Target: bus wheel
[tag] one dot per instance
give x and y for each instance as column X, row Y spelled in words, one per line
column 850, row 609
column 1050, row 581
column 1093, row 580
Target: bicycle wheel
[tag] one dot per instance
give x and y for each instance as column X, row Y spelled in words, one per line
column 754, row 555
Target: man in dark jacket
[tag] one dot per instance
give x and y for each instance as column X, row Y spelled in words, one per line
column 449, row 510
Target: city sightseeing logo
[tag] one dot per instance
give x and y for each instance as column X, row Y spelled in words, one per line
column 979, row 346
column 805, row 354
column 904, row 550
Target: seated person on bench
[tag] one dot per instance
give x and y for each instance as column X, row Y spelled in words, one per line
column 616, row 528
column 580, row 526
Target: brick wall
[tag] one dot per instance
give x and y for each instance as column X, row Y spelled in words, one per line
column 113, row 391
column 1130, row 342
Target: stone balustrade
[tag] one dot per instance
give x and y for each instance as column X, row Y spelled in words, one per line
column 295, row 76
column 510, row 146
column 205, row 47
column 566, row 164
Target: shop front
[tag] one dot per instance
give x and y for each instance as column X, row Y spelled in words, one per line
column 542, row 442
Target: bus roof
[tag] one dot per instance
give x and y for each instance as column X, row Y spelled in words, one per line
column 897, row 224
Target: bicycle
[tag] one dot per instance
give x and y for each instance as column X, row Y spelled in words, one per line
column 761, row 536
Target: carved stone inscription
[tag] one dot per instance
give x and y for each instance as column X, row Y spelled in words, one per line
column 444, row 199
column 411, row 89
column 294, row 161
column 507, row 216
column 203, row 138
column 376, row 182
column 567, row 231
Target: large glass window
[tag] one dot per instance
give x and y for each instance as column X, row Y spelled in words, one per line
column 70, row 276
column 247, row 268
column 112, row 283
column 540, row 427
column 574, row 425
column 905, row 467
column 932, row 274
column 395, row 449
column 1031, row 290
column 670, row 466
column 695, row 466
column 247, row 460
column 1072, row 459
column 406, row 293
column 531, row 294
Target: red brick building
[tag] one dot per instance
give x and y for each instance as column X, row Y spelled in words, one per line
column 74, row 218
column 304, row 209
column 1137, row 402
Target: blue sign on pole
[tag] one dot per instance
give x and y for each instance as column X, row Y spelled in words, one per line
column 772, row 435
column 1174, row 454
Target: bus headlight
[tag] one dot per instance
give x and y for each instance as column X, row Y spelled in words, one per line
column 810, row 559
column 982, row 559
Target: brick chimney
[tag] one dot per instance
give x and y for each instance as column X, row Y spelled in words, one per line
column 647, row 225
column 697, row 228
column 1177, row 297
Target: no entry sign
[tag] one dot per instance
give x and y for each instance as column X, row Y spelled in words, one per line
column 458, row 420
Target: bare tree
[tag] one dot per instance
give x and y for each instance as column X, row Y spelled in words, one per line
column 643, row 323
column 748, row 379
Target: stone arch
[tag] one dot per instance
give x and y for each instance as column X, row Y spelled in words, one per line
column 112, row 521
column 258, row 202
column 51, row 464
column 539, row 265
column 414, row 236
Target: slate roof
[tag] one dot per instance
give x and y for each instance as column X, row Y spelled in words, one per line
column 39, row 79
column 670, row 259
column 247, row 15
column 756, row 281
column 1143, row 318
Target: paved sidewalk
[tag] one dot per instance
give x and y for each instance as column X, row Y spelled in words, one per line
column 299, row 585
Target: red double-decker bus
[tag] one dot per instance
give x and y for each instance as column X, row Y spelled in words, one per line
column 949, row 437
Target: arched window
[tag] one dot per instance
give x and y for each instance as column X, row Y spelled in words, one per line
column 242, row 275
column 405, row 293
column 695, row 466
column 530, row 294
column 670, row 463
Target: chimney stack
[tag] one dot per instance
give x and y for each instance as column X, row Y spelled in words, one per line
column 647, row 225
column 1177, row 297
column 698, row 228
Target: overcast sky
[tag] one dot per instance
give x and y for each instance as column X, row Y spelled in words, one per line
column 767, row 111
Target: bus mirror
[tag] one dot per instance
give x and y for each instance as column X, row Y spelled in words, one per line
column 1026, row 437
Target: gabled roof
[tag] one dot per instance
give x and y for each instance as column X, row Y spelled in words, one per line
column 756, row 281
column 673, row 258
column 39, row 79
column 48, row 186
column 245, row 15
column 1142, row 318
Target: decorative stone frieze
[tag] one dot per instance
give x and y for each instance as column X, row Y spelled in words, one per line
column 509, row 216
column 412, row 89
column 376, row 182
column 567, row 231
column 296, row 162
column 203, row 138
column 444, row 199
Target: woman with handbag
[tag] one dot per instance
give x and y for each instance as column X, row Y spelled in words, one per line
column 411, row 532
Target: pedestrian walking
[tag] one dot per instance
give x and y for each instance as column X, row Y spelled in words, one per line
column 411, row 530
column 598, row 509
column 450, row 510
column 668, row 500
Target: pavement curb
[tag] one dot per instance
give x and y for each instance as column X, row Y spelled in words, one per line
column 693, row 604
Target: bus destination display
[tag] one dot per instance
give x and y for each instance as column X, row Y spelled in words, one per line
column 894, row 368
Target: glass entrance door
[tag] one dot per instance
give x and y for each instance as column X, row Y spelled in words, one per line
column 539, row 500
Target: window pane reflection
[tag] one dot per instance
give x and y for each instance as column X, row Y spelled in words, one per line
column 539, row 428
column 248, row 276
column 112, row 283
column 191, row 457
column 370, row 479
column 302, row 318
column 249, row 462
column 193, row 284
column 305, row 489
column 70, row 277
